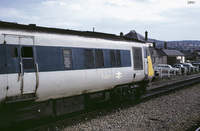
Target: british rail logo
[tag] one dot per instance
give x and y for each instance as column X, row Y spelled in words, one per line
column 104, row 77
column 190, row 2
column 118, row 75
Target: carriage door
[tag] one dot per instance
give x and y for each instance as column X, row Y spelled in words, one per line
column 145, row 62
column 138, row 63
column 28, row 65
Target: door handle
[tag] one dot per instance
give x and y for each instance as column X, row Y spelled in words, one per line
column 37, row 76
column 22, row 77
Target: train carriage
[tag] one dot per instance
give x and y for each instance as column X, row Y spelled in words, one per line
column 55, row 71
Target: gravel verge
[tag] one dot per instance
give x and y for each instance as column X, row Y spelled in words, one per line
column 170, row 80
column 177, row 111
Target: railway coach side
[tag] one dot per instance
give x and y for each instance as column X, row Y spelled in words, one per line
column 47, row 72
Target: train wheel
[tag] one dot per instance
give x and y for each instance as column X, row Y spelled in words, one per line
column 117, row 95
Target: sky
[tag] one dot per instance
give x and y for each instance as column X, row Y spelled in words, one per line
column 165, row 20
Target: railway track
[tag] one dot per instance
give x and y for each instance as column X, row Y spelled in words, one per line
column 173, row 86
column 100, row 109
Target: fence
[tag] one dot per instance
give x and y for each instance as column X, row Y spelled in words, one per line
column 174, row 72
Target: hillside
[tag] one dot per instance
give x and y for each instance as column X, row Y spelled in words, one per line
column 184, row 45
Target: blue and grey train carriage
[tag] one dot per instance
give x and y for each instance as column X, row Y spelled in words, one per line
column 50, row 72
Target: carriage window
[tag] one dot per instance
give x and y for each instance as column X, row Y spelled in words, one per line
column 146, row 52
column 67, row 56
column 137, row 58
column 118, row 58
column 27, row 57
column 14, row 52
column 112, row 58
column 88, row 58
column 99, row 62
column 27, row 52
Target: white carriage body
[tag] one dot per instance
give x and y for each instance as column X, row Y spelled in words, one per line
column 66, row 83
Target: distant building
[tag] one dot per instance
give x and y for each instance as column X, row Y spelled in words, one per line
column 136, row 36
column 196, row 55
column 188, row 56
column 166, row 56
column 156, row 58
column 159, row 56
column 174, row 56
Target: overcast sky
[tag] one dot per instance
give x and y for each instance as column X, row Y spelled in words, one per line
column 163, row 19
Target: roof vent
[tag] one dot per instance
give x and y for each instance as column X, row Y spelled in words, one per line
column 146, row 35
column 121, row 34
column 32, row 25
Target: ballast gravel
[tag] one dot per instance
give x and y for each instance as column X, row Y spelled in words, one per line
column 177, row 111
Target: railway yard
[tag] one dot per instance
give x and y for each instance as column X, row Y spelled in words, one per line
column 177, row 110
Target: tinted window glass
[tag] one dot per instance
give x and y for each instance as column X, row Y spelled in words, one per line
column 137, row 56
column 118, row 58
column 27, row 52
column 112, row 58
column 88, row 58
column 145, row 52
column 27, row 57
column 99, row 62
column 14, row 52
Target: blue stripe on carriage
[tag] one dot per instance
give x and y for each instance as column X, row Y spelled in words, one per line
column 52, row 59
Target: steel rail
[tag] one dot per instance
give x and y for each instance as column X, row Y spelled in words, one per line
column 173, row 86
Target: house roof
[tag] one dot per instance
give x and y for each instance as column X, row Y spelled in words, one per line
column 196, row 52
column 167, row 52
column 186, row 53
column 136, row 36
column 160, row 52
column 172, row 52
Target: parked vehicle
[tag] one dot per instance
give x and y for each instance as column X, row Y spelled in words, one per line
column 165, row 68
column 156, row 72
column 180, row 66
column 190, row 67
column 196, row 64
